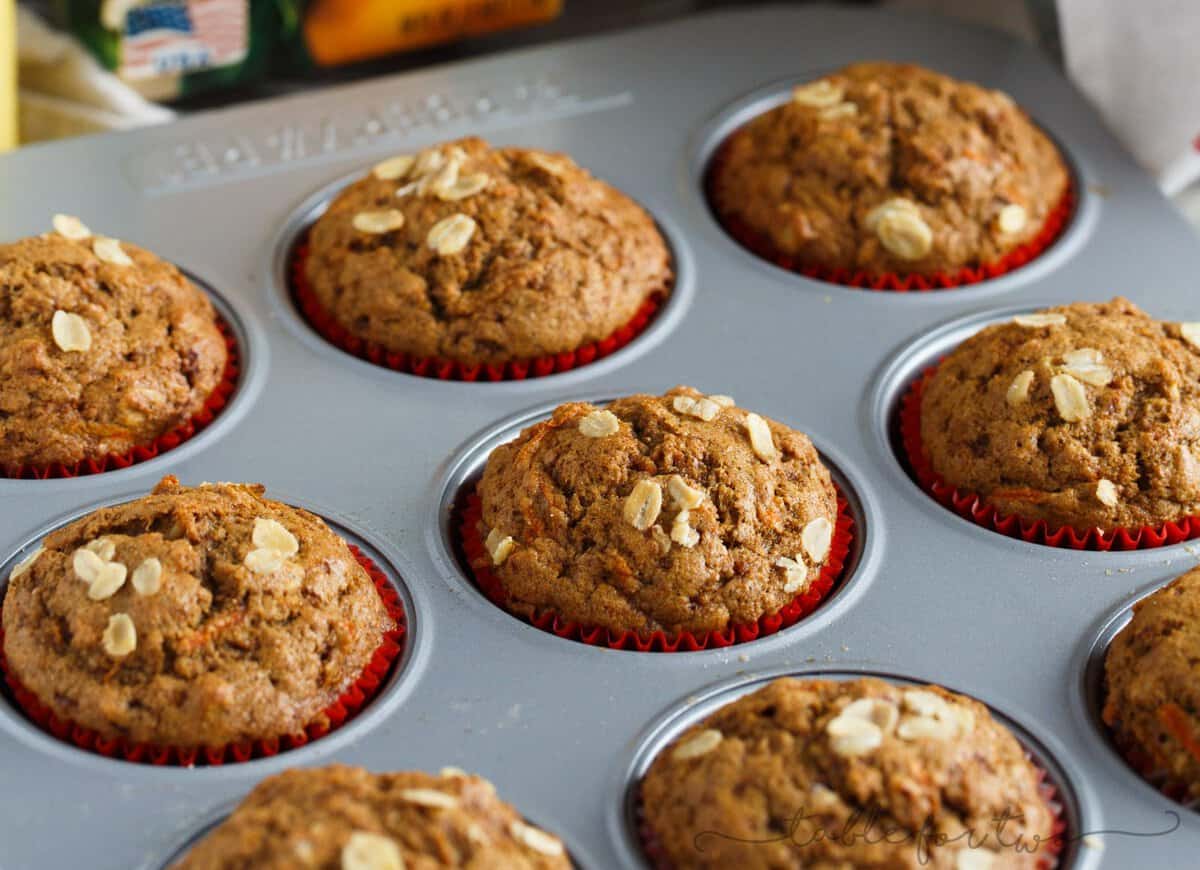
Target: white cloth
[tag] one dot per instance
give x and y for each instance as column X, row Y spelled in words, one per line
column 63, row 91
column 1138, row 61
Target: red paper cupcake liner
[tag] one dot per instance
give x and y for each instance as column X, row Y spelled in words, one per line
column 1052, row 848
column 760, row 245
column 213, row 406
column 453, row 370
column 974, row 506
column 471, row 511
column 351, row 702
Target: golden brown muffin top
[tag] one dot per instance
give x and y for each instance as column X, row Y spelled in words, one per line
column 810, row 773
column 890, row 167
column 674, row 512
column 1152, row 698
column 1085, row 415
column 484, row 255
column 194, row 616
column 344, row 818
column 103, row 347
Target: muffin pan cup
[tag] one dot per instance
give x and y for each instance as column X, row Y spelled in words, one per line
column 354, row 698
column 1093, row 693
column 757, row 243
column 975, row 507
column 1144, row 765
column 214, row 404
column 629, row 824
column 384, row 456
column 328, row 327
column 479, row 563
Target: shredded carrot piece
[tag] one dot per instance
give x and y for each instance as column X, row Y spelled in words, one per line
column 109, row 430
column 216, row 626
column 1176, row 721
column 525, row 459
column 1030, row 495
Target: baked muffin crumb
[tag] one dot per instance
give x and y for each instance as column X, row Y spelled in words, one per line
column 811, row 772
column 484, row 255
column 194, row 616
column 103, row 347
column 1152, row 703
column 889, row 169
column 1086, row 415
column 346, row 818
column 678, row 512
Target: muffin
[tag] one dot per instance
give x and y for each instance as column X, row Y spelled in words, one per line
column 888, row 169
column 344, row 818
column 103, row 347
column 862, row 773
column 1085, row 415
column 678, row 512
column 243, row 619
column 1152, row 690
column 483, row 255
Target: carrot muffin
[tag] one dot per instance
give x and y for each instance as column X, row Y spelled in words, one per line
column 1085, row 415
column 192, row 617
column 344, row 818
column 862, row 773
column 1152, row 700
column 679, row 512
column 103, row 347
column 484, row 255
column 889, row 168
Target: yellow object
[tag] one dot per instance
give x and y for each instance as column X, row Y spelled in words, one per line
column 340, row 31
column 8, row 74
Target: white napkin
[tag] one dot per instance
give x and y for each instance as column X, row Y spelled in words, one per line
column 1138, row 61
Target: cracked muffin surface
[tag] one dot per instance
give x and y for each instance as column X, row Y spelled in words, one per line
column 811, row 773
column 97, row 355
column 889, row 168
column 345, row 818
column 679, row 512
column 194, row 616
column 484, row 255
column 1152, row 683
column 1085, row 415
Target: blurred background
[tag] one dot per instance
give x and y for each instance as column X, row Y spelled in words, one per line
column 73, row 67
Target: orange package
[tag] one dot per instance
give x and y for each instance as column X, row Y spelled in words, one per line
column 340, row 31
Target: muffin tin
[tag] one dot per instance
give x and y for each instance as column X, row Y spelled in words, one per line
column 561, row 727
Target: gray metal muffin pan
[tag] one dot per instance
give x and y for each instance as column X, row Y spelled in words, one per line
column 559, row 726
